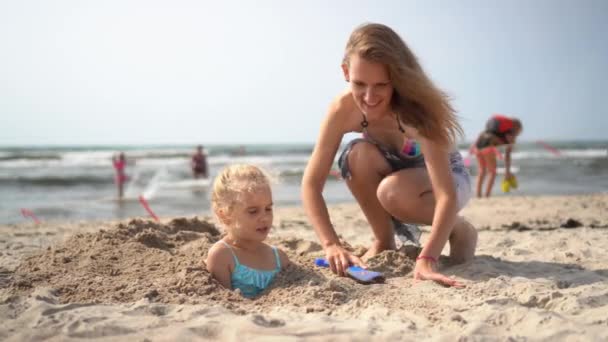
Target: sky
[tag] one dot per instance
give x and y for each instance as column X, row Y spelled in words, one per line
column 187, row 72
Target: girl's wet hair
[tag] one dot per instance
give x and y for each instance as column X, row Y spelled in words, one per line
column 233, row 181
column 415, row 98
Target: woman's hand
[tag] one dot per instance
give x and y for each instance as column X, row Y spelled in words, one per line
column 425, row 270
column 339, row 259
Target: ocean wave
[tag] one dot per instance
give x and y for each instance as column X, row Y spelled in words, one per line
column 57, row 181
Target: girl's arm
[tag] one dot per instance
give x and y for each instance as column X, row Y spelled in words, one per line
column 284, row 259
column 219, row 261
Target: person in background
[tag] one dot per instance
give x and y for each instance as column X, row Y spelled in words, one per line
column 119, row 162
column 198, row 163
column 500, row 130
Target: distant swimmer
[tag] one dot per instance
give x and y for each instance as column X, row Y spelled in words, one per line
column 500, row 130
column 198, row 163
column 120, row 162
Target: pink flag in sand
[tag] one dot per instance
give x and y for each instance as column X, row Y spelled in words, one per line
column 146, row 206
column 549, row 147
column 28, row 213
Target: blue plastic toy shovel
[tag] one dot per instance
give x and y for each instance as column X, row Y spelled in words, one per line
column 359, row 274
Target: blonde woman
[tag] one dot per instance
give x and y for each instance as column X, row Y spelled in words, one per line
column 404, row 168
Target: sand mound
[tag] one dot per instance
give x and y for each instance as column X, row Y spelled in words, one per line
column 164, row 263
column 135, row 260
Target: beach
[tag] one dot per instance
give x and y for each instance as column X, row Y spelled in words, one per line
column 540, row 273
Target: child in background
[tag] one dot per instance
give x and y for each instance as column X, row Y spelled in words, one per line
column 120, row 162
column 242, row 201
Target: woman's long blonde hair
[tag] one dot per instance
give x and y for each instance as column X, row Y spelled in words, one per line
column 415, row 98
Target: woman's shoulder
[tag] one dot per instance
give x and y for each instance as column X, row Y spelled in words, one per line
column 344, row 111
column 343, row 103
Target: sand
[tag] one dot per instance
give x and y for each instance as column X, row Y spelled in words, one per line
column 541, row 273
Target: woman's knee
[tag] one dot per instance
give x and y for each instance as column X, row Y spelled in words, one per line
column 390, row 193
column 386, row 193
column 365, row 158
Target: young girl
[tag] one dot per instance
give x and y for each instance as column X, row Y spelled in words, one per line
column 242, row 201
column 120, row 162
column 405, row 168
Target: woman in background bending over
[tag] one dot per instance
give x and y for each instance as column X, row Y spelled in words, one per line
column 500, row 130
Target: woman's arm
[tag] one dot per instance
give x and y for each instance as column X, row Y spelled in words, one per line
column 332, row 130
column 315, row 176
column 508, row 161
column 444, row 216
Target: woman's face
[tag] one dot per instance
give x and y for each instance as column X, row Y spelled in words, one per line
column 371, row 86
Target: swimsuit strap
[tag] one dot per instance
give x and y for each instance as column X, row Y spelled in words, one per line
column 277, row 258
column 399, row 123
column 236, row 260
column 364, row 123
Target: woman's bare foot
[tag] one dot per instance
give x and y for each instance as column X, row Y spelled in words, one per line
column 463, row 241
column 378, row 247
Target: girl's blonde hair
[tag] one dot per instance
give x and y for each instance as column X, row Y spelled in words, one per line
column 415, row 98
column 234, row 180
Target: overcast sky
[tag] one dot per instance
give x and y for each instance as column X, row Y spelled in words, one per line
column 155, row 72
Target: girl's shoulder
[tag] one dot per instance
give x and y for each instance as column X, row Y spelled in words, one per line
column 282, row 255
column 220, row 253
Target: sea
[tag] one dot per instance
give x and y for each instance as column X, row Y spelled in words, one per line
column 76, row 183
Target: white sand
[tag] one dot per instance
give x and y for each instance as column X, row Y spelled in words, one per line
column 531, row 280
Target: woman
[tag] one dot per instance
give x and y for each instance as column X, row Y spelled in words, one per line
column 403, row 117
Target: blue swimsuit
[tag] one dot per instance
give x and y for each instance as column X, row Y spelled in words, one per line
column 249, row 280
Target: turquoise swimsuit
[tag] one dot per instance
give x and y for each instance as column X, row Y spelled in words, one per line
column 249, row 280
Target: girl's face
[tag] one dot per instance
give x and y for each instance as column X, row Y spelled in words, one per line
column 371, row 86
column 251, row 217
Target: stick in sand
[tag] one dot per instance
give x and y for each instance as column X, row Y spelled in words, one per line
column 29, row 213
column 146, row 206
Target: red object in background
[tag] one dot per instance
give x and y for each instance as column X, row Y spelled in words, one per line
column 146, row 206
column 28, row 213
column 549, row 147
